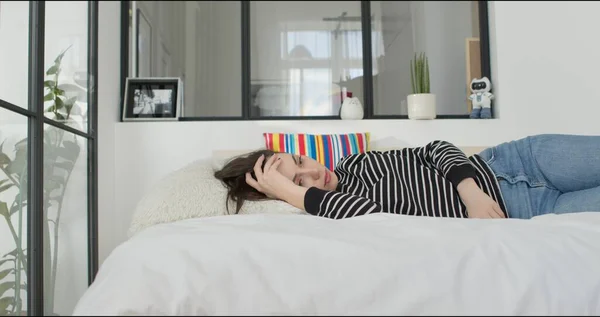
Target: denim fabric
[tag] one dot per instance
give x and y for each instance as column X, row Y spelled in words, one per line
column 549, row 173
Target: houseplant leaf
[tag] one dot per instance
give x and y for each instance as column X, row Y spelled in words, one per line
column 17, row 207
column 4, row 159
column 5, row 287
column 12, row 253
column 19, row 163
column 59, row 116
column 58, row 103
column 60, row 56
column 3, row 212
column 52, row 70
column 75, row 110
column 69, row 151
column 5, row 186
column 5, row 302
column 5, row 260
column 49, row 84
column 5, row 273
column 21, row 144
column 49, row 96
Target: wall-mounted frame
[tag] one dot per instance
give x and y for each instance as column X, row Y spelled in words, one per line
column 152, row 99
column 143, row 45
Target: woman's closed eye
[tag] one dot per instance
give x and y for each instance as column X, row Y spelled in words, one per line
column 300, row 165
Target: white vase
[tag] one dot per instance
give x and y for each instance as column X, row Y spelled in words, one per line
column 421, row 106
column 351, row 109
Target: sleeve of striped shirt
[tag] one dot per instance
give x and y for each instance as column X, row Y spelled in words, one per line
column 336, row 205
column 444, row 157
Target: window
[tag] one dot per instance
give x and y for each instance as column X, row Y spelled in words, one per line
column 292, row 59
column 48, row 155
column 442, row 29
column 318, row 49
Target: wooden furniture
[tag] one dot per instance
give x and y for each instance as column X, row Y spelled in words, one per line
column 473, row 65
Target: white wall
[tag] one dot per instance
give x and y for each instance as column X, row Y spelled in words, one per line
column 536, row 67
column 14, row 29
column 166, row 21
column 211, row 81
column 393, row 83
column 440, row 30
column 109, row 72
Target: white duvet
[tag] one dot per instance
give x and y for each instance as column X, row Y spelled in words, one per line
column 370, row 265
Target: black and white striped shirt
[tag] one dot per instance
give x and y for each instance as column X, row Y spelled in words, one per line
column 417, row 181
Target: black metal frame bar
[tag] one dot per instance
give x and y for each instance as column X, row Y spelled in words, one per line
column 35, row 151
column 15, row 108
column 35, row 161
column 125, row 12
column 246, row 62
column 484, row 43
column 92, row 140
column 246, row 103
column 367, row 52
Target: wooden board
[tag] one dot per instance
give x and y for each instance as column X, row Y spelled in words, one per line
column 473, row 65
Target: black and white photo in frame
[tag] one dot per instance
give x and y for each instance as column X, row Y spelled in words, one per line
column 152, row 99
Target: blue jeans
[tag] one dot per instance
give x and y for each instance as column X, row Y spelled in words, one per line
column 549, row 173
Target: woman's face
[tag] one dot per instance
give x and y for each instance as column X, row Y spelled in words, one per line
column 306, row 172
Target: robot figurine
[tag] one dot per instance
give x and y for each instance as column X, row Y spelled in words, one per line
column 481, row 98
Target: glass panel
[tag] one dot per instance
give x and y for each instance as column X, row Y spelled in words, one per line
column 198, row 41
column 14, row 54
column 442, row 30
column 13, row 208
column 65, row 60
column 302, row 54
column 65, row 192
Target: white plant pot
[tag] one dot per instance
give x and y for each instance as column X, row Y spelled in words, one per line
column 421, row 106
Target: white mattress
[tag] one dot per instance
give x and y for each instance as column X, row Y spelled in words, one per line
column 370, row 265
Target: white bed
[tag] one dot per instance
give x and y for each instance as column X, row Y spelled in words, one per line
column 185, row 257
column 371, row 265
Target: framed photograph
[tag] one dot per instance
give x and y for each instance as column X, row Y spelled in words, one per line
column 143, row 48
column 152, row 99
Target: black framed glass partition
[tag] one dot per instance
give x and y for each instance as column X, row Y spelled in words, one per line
column 261, row 60
column 48, row 155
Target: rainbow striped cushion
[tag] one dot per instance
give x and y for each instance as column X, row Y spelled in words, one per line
column 327, row 149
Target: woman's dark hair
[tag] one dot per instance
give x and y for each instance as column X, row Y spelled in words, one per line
column 233, row 176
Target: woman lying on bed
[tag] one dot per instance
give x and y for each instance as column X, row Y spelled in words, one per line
column 520, row 179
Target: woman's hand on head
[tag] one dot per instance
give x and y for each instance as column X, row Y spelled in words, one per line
column 268, row 180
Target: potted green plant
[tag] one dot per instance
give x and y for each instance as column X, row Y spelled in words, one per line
column 421, row 103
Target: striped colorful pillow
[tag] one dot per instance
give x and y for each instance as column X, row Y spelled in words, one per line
column 327, row 149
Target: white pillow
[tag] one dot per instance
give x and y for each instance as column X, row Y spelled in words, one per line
column 193, row 192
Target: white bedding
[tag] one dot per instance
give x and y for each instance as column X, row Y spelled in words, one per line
column 370, row 265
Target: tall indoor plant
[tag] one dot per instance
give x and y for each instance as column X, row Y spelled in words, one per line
column 61, row 151
column 421, row 103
